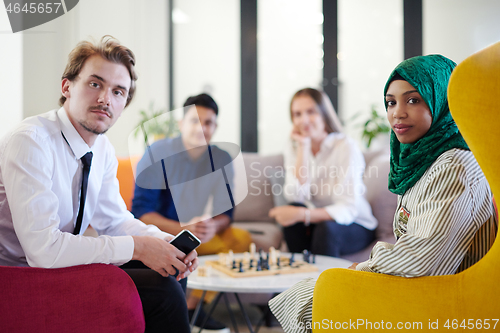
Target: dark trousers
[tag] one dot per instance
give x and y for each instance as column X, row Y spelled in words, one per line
column 327, row 238
column 163, row 299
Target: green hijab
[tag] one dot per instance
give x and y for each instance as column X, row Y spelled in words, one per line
column 429, row 75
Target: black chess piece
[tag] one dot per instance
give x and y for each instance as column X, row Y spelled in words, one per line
column 234, row 264
column 292, row 259
column 259, row 266
column 251, row 263
column 241, row 267
column 306, row 255
column 278, row 262
column 314, row 258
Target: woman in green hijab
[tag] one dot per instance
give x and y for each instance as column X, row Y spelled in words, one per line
column 445, row 220
column 412, row 156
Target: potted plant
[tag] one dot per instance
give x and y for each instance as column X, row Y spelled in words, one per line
column 374, row 127
column 156, row 123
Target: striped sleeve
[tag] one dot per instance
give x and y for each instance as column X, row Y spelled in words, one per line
column 440, row 220
column 293, row 307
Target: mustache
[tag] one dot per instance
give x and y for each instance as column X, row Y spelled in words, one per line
column 101, row 108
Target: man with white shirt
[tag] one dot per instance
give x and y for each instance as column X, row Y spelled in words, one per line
column 42, row 218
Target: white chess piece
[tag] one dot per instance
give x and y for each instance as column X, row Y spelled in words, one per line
column 253, row 249
column 222, row 258
column 272, row 255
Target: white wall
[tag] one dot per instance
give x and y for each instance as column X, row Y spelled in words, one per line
column 370, row 46
column 289, row 48
column 11, row 73
column 207, row 59
column 45, row 52
column 459, row 28
column 141, row 26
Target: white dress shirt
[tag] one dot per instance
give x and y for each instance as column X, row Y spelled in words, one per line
column 334, row 182
column 40, row 181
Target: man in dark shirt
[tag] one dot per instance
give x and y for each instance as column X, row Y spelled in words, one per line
column 185, row 183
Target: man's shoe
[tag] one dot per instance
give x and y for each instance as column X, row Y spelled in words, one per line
column 211, row 326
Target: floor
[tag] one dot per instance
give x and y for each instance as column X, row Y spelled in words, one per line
column 254, row 312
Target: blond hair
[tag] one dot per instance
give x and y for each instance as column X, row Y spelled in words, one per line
column 110, row 49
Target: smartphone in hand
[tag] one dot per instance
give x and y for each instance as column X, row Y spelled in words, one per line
column 185, row 241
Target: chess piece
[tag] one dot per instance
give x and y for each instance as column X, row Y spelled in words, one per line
column 230, row 256
column 251, row 263
column 252, row 250
column 272, row 252
column 234, row 264
column 278, row 262
column 222, row 261
column 306, row 255
column 292, row 259
column 314, row 258
column 246, row 257
column 241, row 267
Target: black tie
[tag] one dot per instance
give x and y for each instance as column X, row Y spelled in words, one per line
column 86, row 160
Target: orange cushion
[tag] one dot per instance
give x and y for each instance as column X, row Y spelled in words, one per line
column 125, row 175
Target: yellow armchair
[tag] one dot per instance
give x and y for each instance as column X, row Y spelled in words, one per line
column 468, row 301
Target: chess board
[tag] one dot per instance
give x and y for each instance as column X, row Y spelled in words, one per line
column 298, row 266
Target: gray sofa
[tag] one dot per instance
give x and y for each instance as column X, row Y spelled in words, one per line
column 264, row 178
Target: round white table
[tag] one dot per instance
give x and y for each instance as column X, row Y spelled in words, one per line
column 222, row 283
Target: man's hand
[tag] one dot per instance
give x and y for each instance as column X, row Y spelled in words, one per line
column 191, row 261
column 162, row 257
column 205, row 229
column 287, row 215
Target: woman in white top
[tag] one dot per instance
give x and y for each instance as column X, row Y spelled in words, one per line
column 328, row 213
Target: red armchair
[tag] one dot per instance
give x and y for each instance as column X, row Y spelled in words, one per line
column 87, row 298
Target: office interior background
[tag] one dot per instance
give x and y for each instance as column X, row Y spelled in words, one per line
column 250, row 55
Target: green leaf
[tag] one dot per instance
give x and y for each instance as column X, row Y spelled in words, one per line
column 155, row 128
column 374, row 126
